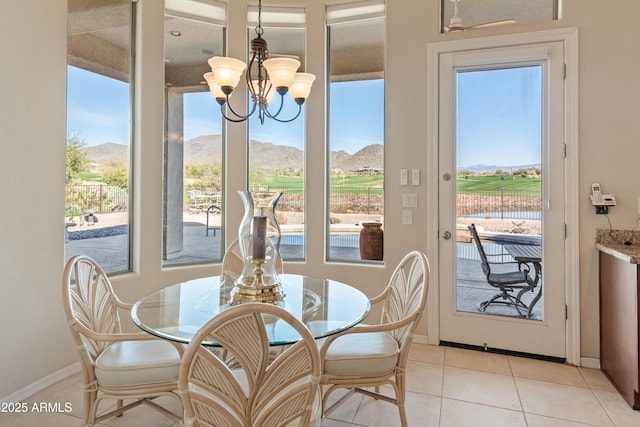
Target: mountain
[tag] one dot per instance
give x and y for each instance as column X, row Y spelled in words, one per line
column 267, row 155
column 339, row 159
column 492, row 168
column 371, row 156
column 102, row 154
column 203, row 149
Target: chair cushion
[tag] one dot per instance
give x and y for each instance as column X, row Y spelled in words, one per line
column 127, row 363
column 510, row 278
column 361, row 354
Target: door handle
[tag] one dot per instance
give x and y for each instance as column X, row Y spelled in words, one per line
column 446, row 235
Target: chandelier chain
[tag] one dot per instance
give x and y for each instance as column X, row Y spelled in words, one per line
column 260, row 85
column 259, row 30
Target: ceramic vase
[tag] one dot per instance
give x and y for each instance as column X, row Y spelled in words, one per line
column 372, row 241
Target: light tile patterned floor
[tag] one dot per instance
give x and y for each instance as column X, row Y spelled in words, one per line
column 447, row 387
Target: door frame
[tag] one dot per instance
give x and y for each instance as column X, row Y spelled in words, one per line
column 569, row 37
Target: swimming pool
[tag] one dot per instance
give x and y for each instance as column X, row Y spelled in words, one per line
column 533, row 215
column 493, row 246
column 340, row 240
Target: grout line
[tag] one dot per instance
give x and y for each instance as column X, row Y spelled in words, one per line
column 604, row 408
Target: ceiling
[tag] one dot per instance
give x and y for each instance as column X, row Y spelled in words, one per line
column 99, row 37
column 475, row 12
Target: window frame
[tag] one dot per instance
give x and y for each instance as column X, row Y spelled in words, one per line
column 338, row 15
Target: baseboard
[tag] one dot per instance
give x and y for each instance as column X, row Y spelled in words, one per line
column 41, row 384
column 421, row 339
column 585, row 362
column 503, row 351
column 590, row 362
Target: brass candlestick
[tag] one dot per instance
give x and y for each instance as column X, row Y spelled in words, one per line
column 256, row 288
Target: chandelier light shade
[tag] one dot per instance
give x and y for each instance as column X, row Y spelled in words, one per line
column 282, row 71
column 301, row 87
column 264, row 77
column 226, row 71
column 214, row 88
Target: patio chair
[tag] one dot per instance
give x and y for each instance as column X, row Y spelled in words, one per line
column 115, row 365
column 196, row 204
column 212, row 210
column 375, row 355
column 507, row 282
column 258, row 390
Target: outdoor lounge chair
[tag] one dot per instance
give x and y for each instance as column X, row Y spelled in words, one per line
column 507, row 282
column 196, row 204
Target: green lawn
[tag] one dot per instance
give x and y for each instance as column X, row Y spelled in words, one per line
column 477, row 183
column 357, row 181
column 472, row 184
column 90, row 176
column 284, row 181
column 337, row 182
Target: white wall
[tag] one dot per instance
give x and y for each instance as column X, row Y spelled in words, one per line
column 609, row 119
column 609, row 134
column 34, row 336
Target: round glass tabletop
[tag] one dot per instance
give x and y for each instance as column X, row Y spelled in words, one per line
column 325, row 306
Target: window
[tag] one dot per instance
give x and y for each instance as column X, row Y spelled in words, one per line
column 97, row 208
column 356, row 129
column 193, row 145
column 276, row 149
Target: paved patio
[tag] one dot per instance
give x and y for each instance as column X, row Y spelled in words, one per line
column 474, row 289
column 111, row 251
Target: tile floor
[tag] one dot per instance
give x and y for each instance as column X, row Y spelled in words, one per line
column 447, row 387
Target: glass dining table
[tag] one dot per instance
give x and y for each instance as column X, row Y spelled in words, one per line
column 178, row 311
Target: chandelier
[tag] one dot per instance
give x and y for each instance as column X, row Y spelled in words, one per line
column 265, row 76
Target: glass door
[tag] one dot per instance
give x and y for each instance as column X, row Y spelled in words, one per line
column 498, row 189
column 501, row 200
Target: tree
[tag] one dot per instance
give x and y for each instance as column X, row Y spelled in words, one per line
column 77, row 161
column 257, row 176
column 116, row 174
column 208, row 176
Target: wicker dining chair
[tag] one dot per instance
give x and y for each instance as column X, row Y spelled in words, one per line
column 115, row 365
column 375, row 355
column 261, row 391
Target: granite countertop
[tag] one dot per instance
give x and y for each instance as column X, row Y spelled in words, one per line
column 612, row 242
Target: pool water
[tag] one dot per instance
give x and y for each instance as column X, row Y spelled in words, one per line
column 341, row 240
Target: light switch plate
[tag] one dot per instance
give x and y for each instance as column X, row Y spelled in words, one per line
column 415, row 176
column 404, row 177
column 409, row 200
column 407, row 217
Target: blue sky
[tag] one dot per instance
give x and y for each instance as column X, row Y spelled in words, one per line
column 97, row 112
column 97, row 108
column 357, row 118
column 499, row 115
